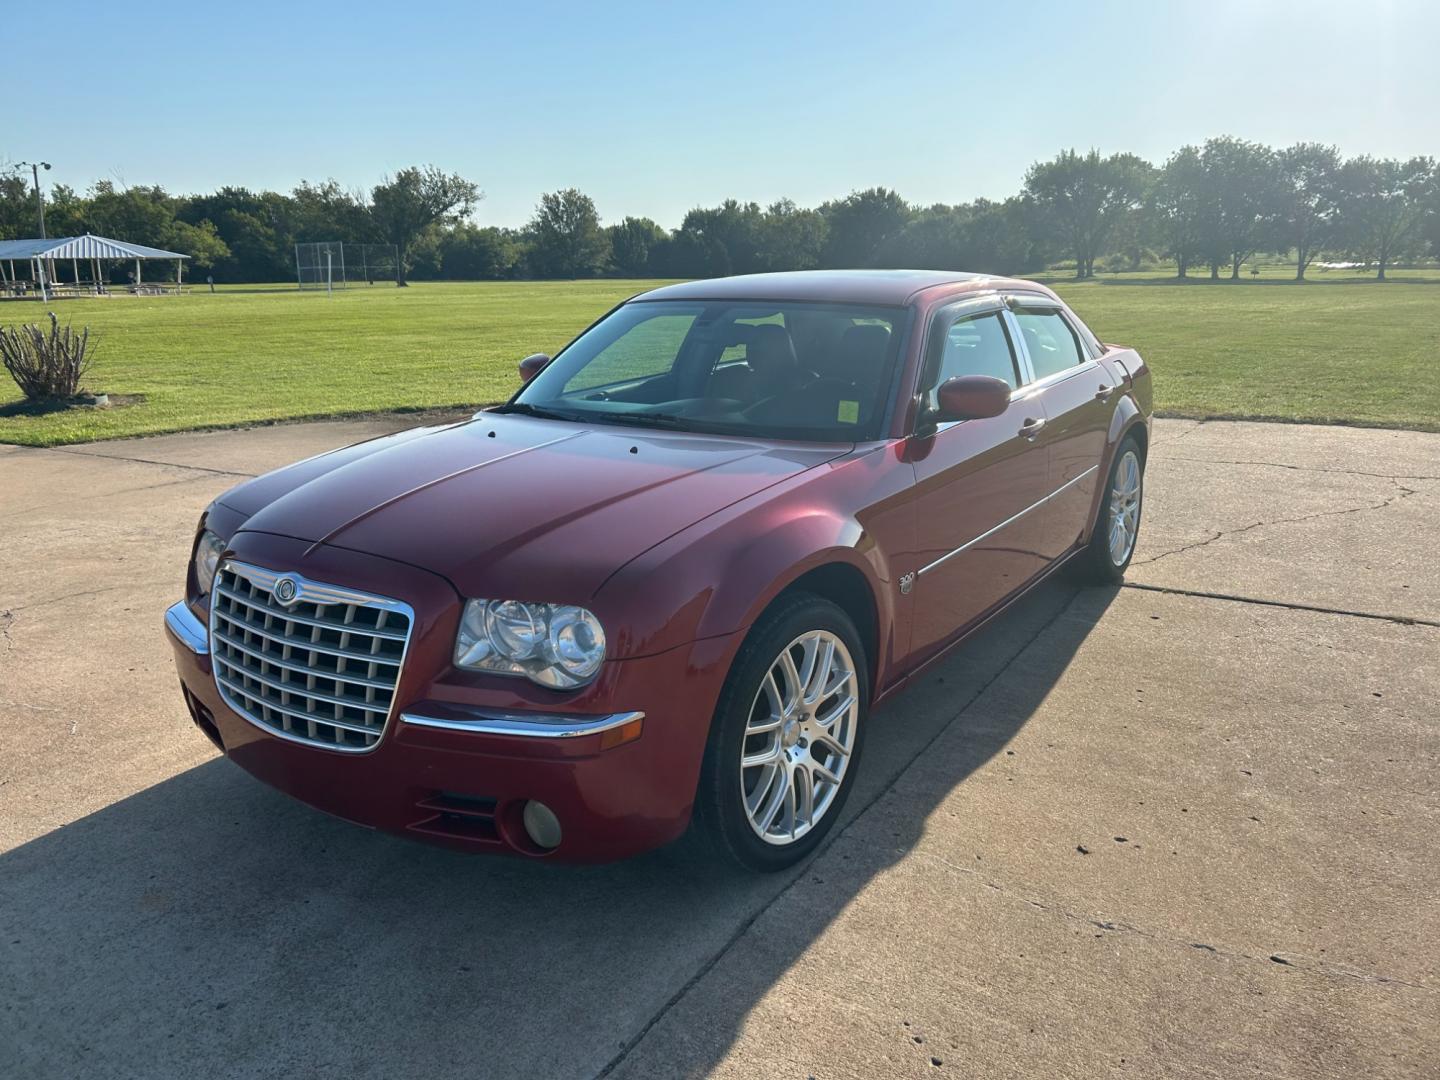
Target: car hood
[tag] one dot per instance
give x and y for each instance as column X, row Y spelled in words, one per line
column 517, row 507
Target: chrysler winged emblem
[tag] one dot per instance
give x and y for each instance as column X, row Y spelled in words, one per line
column 285, row 590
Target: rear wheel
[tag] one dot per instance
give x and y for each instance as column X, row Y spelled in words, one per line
column 786, row 739
column 1112, row 542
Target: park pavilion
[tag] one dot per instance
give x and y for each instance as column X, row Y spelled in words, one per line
column 38, row 268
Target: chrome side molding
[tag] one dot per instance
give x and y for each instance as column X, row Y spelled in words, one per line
column 1010, row 520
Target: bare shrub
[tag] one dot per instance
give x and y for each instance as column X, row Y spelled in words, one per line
column 47, row 366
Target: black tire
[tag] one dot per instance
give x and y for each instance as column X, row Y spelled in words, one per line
column 721, row 823
column 1097, row 564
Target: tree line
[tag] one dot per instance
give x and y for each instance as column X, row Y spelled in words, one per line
column 1208, row 209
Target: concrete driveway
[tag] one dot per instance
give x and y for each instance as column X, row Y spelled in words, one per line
column 1190, row 827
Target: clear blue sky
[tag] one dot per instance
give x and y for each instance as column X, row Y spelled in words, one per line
column 652, row 109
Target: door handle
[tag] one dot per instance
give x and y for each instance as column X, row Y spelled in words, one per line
column 1031, row 427
column 1102, row 392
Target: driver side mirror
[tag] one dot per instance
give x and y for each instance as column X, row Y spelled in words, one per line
column 532, row 365
column 971, row 397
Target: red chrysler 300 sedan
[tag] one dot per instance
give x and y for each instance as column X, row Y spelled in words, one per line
column 667, row 581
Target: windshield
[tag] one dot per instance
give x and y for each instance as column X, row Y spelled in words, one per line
column 774, row 370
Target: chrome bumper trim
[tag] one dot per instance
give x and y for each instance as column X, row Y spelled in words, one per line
column 528, row 726
column 188, row 630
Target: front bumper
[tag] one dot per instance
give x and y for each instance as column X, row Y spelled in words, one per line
column 459, row 772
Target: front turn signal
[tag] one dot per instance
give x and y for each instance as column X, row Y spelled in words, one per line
column 619, row 736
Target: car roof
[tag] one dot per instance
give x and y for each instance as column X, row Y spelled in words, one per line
column 889, row 287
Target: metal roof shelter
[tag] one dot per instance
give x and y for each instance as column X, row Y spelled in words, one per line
column 43, row 254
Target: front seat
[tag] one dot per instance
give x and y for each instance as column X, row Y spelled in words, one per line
column 771, row 356
column 770, row 367
column 855, row 367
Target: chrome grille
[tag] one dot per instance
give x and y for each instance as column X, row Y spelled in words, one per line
column 321, row 669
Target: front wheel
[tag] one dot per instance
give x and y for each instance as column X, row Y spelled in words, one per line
column 1112, row 541
column 786, row 738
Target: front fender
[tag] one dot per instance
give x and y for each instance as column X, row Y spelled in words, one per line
column 719, row 576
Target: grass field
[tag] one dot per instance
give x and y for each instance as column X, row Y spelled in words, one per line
column 1342, row 349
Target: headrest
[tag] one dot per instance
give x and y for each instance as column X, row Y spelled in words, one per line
column 770, row 352
column 860, row 353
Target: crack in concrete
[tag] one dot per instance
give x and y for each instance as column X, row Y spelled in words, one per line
column 1115, row 926
column 103, row 495
column 1170, row 440
column 1305, row 468
column 801, row 868
column 57, row 599
column 1400, row 620
column 1403, row 492
column 138, row 461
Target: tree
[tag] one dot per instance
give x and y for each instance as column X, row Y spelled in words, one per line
column 324, row 212
column 1432, row 221
column 1384, row 207
column 789, row 238
column 1308, row 210
column 402, row 208
column 687, row 255
column 565, row 237
column 201, row 242
column 631, row 243
column 471, row 253
column 1243, row 179
column 1000, row 243
column 256, row 227
column 19, row 216
column 935, row 238
column 143, row 215
column 1182, row 209
column 728, row 235
column 1084, row 198
column 859, row 223
column 139, row 215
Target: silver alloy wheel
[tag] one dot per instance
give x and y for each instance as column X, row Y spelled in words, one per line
column 1125, row 508
column 799, row 737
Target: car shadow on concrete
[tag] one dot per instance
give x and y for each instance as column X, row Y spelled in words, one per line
column 208, row 925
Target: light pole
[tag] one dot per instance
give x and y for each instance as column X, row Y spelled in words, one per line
column 35, row 167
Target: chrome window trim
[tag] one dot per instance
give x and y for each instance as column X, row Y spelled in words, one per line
column 323, row 593
column 1008, row 521
column 188, row 630
column 1022, row 351
column 529, row 726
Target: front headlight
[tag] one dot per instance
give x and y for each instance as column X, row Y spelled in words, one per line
column 208, row 550
column 556, row 645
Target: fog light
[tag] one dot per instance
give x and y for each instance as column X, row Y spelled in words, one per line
column 541, row 824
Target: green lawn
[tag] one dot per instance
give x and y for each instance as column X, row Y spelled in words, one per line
column 1358, row 352
column 1340, row 350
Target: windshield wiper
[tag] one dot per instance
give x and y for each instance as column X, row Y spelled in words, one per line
column 643, row 419
column 524, row 408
